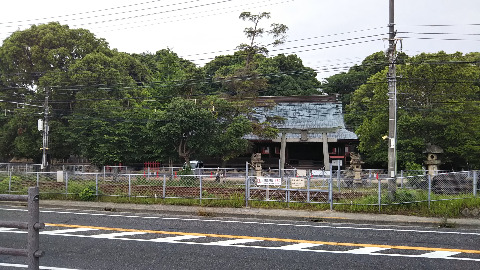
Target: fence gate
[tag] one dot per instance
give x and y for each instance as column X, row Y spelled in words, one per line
column 291, row 187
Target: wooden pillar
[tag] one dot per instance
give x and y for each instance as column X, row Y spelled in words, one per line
column 326, row 157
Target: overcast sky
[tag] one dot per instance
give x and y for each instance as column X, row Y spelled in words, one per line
column 327, row 35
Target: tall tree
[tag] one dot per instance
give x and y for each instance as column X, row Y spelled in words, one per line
column 244, row 81
column 287, row 76
column 345, row 83
column 438, row 98
column 254, row 32
column 172, row 75
column 37, row 60
column 183, row 127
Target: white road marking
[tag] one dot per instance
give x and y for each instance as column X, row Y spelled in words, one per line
column 439, row 254
column 299, row 246
column 26, row 266
column 234, row 242
column 366, row 250
column 175, row 239
column 67, row 231
column 2, row 229
column 115, row 235
column 86, row 212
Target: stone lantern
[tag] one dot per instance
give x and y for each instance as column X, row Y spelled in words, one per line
column 354, row 171
column 256, row 162
column 356, row 165
column 433, row 161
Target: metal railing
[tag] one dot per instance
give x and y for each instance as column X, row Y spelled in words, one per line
column 33, row 226
column 333, row 187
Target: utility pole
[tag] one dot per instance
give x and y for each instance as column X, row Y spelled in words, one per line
column 392, row 104
column 45, row 133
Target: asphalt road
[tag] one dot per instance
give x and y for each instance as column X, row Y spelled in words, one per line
column 92, row 239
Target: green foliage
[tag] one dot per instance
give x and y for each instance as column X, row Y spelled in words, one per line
column 186, row 171
column 183, row 127
column 345, row 83
column 87, row 194
column 19, row 136
column 432, row 108
column 276, row 31
column 16, row 183
column 415, row 168
column 287, row 76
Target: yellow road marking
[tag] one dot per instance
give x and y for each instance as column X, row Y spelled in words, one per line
column 268, row 239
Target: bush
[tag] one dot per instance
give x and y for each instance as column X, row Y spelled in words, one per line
column 15, row 185
column 87, row 194
column 186, row 171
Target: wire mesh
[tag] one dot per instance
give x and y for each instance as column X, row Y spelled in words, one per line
column 305, row 186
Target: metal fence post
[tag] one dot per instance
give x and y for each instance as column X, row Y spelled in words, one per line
column 10, row 182
column 338, row 177
column 200, row 190
column 96, row 185
column 429, row 178
column 475, row 183
column 247, row 196
column 129, row 185
column 309, row 176
column 164, row 185
column 379, row 195
column 401, row 177
column 66, row 184
column 287, row 184
column 330, row 188
column 38, row 179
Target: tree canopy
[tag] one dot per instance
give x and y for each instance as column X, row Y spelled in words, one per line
column 113, row 107
column 437, row 101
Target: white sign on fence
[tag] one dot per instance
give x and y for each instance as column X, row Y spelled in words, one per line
column 297, row 182
column 337, row 162
column 59, row 176
column 268, row 181
column 301, row 172
column 320, row 173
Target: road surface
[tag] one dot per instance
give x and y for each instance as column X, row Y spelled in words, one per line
column 89, row 239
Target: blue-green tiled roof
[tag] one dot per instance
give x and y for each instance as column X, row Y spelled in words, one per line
column 305, row 116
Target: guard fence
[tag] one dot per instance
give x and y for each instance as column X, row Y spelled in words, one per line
column 32, row 252
column 334, row 187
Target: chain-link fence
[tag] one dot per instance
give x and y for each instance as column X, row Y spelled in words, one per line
column 334, row 187
column 367, row 187
column 223, row 184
